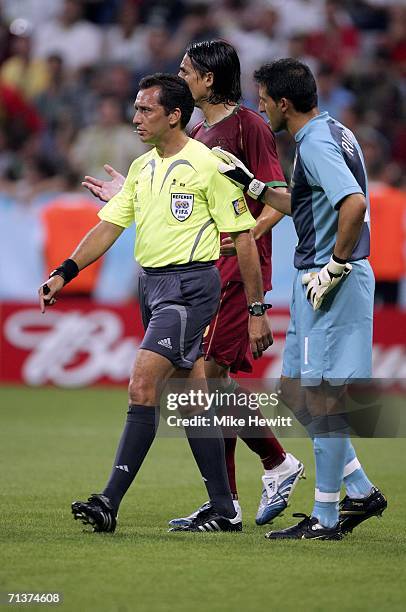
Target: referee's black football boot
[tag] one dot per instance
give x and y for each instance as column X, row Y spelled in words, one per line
column 210, row 520
column 307, row 529
column 184, row 521
column 353, row 512
column 97, row 512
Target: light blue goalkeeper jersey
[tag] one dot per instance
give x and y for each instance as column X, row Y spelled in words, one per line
column 329, row 166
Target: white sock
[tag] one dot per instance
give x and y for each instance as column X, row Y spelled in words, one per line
column 281, row 467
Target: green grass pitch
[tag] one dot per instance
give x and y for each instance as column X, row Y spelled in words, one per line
column 57, row 446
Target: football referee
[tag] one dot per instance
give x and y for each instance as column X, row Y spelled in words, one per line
column 180, row 204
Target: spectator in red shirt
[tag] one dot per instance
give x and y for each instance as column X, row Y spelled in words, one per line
column 18, row 117
column 338, row 43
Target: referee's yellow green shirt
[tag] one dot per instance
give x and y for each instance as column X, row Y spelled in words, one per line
column 180, row 204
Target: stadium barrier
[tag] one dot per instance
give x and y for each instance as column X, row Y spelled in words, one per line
column 80, row 342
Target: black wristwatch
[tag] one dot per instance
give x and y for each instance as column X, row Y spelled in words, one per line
column 257, row 309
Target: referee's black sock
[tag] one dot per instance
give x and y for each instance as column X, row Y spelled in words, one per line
column 136, row 439
column 207, row 446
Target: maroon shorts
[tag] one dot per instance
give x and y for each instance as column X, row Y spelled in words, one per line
column 227, row 339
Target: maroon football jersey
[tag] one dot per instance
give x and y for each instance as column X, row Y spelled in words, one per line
column 245, row 134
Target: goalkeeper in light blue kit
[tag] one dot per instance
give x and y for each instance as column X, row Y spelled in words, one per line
column 329, row 340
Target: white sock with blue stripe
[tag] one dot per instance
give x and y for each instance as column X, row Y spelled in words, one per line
column 330, row 456
column 357, row 483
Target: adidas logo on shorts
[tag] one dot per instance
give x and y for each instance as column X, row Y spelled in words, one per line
column 166, row 342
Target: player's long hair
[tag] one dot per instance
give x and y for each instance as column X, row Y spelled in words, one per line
column 220, row 58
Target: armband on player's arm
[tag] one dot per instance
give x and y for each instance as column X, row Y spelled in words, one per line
column 68, row 270
column 232, row 168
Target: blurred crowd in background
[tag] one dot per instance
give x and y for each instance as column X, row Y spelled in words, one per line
column 69, row 71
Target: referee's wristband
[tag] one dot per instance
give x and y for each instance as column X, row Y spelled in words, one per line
column 68, row 270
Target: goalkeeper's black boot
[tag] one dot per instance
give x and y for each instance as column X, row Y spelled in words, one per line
column 97, row 511
column 210, row 520
column 356, row 511
column 307, row 529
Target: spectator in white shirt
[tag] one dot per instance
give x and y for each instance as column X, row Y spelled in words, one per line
column 126, row 40
column 34, row 11
column 109, row 140
column 77, row 41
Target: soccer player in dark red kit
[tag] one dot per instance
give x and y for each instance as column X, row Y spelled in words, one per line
column 212, row 71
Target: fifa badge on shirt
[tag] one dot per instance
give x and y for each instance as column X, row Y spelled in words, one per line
column 239, row 206
column 182, row 205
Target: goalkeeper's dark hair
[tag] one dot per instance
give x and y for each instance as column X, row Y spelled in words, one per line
column 291, row 79
column 174, row 93
column 220, row 58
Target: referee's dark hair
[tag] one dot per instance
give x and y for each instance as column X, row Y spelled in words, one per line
column 220, row 58
column 289, row 78
column 174, row 93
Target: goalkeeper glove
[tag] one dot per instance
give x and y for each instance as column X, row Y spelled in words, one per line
column 231, row 167
column 320, row 283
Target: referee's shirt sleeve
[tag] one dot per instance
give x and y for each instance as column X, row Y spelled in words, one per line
column 325, row 167
column 120, row 209
column 227, row 205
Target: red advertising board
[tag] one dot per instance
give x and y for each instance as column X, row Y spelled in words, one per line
column 79, row 343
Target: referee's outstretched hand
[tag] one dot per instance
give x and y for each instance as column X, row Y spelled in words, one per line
column 105, row 190
column 48, row 291
column 260, row 334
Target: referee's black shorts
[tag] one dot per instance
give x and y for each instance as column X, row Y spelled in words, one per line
column 177, row 304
